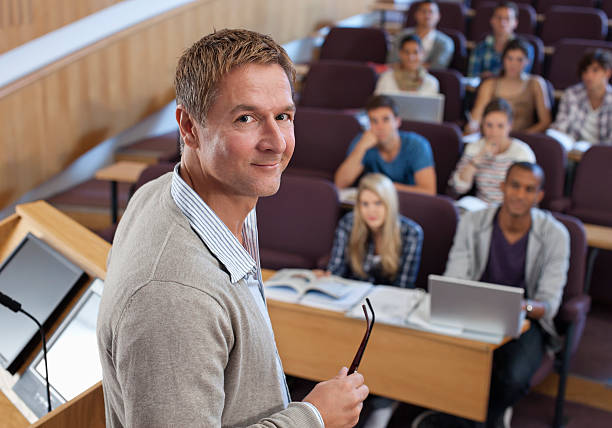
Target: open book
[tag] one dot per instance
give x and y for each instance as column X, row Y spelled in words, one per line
column 302, row 286
column 392, row 305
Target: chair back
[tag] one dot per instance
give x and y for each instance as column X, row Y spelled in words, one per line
column 337, row 85
column 438, row 218
column 552, row 157
column 460, row 55
column 591, row 199
column 322, row 138
column 563, row 22
column 355, row 44
column 297, row 224
column 563, row 70
column 542, row 6
column 453, row 89
column 446, row 145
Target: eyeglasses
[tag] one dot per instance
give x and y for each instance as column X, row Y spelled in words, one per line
column 366, row 337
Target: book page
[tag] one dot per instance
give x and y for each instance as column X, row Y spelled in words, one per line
column 392, row 305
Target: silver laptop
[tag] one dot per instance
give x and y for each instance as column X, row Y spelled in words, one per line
column 421, row 108
column 478, row 306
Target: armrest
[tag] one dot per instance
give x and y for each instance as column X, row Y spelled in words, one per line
column 575, row 308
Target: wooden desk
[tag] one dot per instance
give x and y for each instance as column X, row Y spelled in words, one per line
column 120, row 172
column 431, row 370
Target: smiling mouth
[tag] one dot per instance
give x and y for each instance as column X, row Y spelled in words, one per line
column 268, row 165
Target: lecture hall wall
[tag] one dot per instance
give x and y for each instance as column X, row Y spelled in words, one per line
column 52, row 116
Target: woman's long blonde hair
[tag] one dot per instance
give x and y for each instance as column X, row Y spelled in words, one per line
column 389, row 252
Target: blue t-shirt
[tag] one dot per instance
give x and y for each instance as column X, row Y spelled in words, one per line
column 414, row 155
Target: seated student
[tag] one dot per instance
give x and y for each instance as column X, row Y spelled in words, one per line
column 486, row 161
column 438, row 48
column 404, row 157
column 374, row 242
column 518, row 245
column 408, row 75
column 585, row 112
column 526, row 93
column 485, row 60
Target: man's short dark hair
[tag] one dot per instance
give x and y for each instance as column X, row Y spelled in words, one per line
column 507, row 5
column 424, row 2
column 599, row 56
column 378, row 101
column 411, row 38
column 528, row 166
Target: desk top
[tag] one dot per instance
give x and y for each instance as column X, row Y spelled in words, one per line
column 122, row 171
column 599, row 236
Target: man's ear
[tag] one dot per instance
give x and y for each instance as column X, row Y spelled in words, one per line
column 187, row 127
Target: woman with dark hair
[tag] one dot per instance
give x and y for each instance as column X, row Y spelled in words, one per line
column 484, row 163
column 409, row 75
column 527, row 93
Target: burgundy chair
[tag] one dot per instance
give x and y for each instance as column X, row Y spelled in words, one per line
column 538, row 52
column 542, row 6
column 446, row 144
column 460, row 55
column 451, row 85
column 563, row 70
column 355, row 44
column 552, row 157
column 564, row 22
column 322, row 138
column 337, row 85
column 148, row 174
column 297, row 224
column 571, row 318
column 452, row 15
column 591, row 199
column 480, row 23
column 438, row 218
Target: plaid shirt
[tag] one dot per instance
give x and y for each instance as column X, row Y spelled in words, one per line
column 411, row 242
column 486, row 58
column 574, row 108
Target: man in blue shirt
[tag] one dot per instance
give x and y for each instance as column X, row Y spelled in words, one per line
column 404, row 157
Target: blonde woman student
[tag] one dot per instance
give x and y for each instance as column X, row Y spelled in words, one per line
column 374, row 242
column 526, row 93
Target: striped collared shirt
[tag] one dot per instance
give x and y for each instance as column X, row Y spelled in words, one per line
column 242, row 262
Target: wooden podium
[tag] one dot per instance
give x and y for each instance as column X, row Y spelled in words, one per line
column 88, row 251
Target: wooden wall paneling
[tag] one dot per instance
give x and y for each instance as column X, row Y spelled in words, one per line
column 25, row 20
column 51, row 117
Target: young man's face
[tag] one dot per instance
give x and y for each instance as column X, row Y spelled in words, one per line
column 427, row 15
column 384, row 124
column 248, row 138
column 595, row 77
column 522, row 191
column 503, row 22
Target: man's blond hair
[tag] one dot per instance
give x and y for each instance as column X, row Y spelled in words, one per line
column 202, row 67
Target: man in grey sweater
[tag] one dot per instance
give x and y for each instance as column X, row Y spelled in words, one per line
column 518, row 245
column 183, row 331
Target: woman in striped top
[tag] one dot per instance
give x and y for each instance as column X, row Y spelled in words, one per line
column 484, row 163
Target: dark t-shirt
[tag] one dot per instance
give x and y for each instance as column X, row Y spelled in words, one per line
column 506, row 264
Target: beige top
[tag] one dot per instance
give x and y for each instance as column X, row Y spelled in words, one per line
column 523, row 103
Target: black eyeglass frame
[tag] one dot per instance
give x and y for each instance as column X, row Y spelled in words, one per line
column 366, row 337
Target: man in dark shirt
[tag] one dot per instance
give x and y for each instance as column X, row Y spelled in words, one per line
column 518, row 245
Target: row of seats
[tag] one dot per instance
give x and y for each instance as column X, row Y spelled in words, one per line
column 559, row 20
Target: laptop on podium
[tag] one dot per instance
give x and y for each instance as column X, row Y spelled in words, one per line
column 476, row 306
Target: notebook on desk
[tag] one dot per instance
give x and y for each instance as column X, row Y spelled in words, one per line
column 478, row 306
column 418, row 107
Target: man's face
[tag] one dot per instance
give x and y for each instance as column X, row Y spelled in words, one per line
column 384, row 124
column 427, row 15
column 595, row 77
column 503, row 21
column 248, row 138
column 522, row 191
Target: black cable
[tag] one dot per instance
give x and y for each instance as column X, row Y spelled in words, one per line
column 16, row 307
